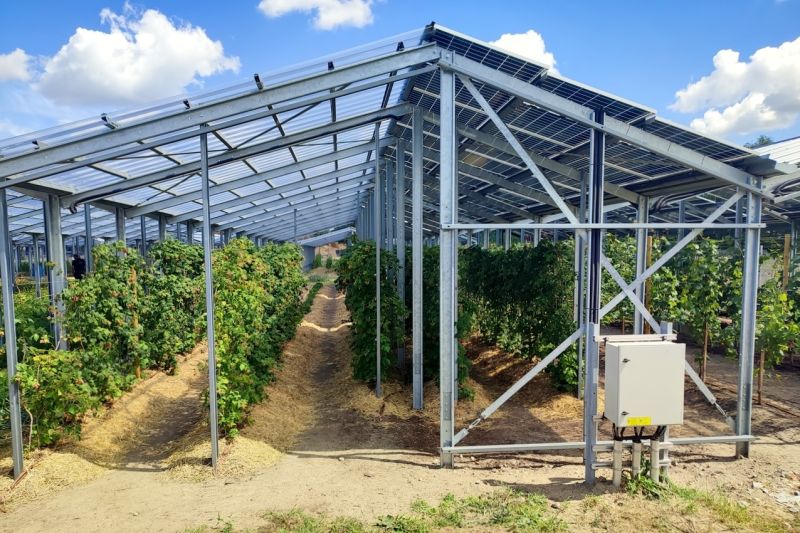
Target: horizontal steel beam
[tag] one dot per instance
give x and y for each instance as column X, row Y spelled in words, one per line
column 331, row 234
column 279, row 190
column 607, row 225
column 265, row 176
column 317, row 202
column 584, row 115
column 305, row 198
column 603, row 445
column 287, row 213
column 205, row 114
column 307, row 224
column 227, row 157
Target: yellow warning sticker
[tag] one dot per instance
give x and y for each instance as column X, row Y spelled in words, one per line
column 639, row 420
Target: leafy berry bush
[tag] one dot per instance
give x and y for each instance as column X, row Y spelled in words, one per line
column 356, row 278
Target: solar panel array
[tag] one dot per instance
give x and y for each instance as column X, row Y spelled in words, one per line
column 238, row 200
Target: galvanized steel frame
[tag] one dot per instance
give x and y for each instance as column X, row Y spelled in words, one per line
column 359, row 200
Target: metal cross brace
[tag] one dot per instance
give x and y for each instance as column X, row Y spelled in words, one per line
column 680, row 245
column 629, row 293
column 521, row 382
column 521, row 152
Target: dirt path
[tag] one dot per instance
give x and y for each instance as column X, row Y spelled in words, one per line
column 349, row 453
column 137, row 433
column 140, row 430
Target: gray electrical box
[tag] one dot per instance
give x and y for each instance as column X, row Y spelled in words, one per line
column 644, row 383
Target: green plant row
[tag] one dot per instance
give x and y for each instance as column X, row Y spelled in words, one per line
column 33, row 324
column 703, row 283
column 131, row 314
column 312, row 293
column 258, row 308
column 356, row 278
column 115, row 326
column 430, row 317
column 523, row 300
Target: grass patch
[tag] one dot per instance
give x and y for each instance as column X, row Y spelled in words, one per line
column 519, row 512
column 297, row 521
column 724, row 510
column 505, row 510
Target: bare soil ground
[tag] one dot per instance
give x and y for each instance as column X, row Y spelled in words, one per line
column 340, row 451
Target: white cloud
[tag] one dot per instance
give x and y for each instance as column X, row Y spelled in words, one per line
column 14, row 66
column 329, row 14
column 749, row 115
column 528, row 45
column 746, row 96
column 143, row 57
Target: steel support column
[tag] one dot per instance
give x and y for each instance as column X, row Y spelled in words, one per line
column 580, row 281
column 14, row 411
column 737, row 233
column 400, row 234
column 744, row 403
column 89, row 239
column 208, row 245
column 143, row 232
column 388, row 204
column 57, row 274
column 162, row 228
column 417, row 163
column 642, row 214
column 448, row 214
column 597, row 160
column 378, row 245
column 37, row 272
column 119, row 220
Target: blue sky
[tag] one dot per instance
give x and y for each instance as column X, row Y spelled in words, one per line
column 644, row 51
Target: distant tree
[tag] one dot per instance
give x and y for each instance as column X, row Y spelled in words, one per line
column 762, row 140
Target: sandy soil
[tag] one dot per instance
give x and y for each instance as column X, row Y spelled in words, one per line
column 138, row 432
column 349, row 453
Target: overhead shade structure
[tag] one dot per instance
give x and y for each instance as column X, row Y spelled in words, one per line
column 497, row 143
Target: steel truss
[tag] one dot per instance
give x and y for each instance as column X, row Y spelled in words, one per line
column 372, row 187
column 588, row 328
